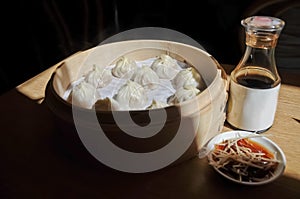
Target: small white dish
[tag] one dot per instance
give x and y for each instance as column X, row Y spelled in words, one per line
column 271, row 146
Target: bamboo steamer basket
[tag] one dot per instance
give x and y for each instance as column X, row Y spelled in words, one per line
column 205, row 113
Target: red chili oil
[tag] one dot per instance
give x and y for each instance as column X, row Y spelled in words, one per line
column 254, row 146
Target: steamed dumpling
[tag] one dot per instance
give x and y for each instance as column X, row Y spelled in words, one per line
column 99, row 77
column 165, row 67
column 157, row 104
column 83, row 95
column 124, row 68
column 131, row 96
column 187, row 77
column 146, row 77
column 183, row 94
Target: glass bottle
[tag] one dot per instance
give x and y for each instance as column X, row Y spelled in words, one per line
column 255, row 82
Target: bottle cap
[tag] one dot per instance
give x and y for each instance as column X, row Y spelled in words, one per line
column 264, row 23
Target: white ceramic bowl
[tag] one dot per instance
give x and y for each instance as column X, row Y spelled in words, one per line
column 263, row 141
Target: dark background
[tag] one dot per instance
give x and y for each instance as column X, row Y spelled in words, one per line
column 40, row 33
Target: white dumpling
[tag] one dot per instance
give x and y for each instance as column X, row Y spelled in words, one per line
column 99, row 77
column 165, row 66
column 124, row 68
column 187, row 77
column 183, row 94
column 131, row 96
column 83, row 95
column 157, row 104
column 146, row 77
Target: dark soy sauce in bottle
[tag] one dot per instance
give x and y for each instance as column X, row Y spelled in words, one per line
column 254, row 79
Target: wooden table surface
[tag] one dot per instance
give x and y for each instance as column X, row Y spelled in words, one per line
column 35, row 163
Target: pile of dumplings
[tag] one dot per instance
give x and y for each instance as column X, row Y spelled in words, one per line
column 137, row 85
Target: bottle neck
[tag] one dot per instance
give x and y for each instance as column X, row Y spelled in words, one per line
column 260, row 39
column 260, row 50
column 259, row 56
column 262, row 57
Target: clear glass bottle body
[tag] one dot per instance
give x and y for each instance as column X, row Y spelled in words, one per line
column 255, row 83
